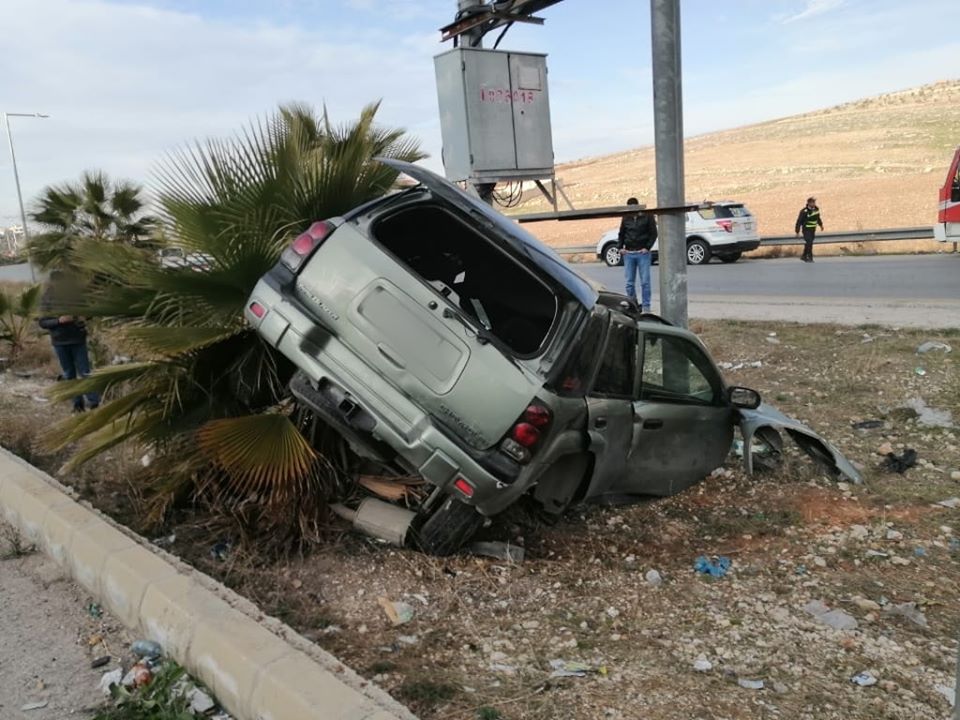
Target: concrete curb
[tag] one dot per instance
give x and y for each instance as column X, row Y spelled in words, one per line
column 258, row 668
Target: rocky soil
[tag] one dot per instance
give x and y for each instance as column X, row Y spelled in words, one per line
column 606, row 616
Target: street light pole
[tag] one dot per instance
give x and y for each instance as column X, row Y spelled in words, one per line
column 668, row 136
column 16, row 180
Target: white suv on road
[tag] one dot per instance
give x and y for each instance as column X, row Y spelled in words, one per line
column 725, row 229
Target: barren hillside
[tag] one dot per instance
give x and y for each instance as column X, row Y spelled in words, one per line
column 873, row 163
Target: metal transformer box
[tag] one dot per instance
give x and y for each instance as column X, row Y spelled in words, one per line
column 494, row 115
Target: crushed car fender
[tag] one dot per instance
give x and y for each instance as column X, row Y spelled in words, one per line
column 815, row 446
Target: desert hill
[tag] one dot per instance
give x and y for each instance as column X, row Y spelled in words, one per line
column 873, row 163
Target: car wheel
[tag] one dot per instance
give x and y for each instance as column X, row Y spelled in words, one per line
column 448, row 528
column 611, row 256
column 698, row 252
column 731, row 257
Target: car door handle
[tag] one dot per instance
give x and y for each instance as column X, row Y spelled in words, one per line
column 390, row 356
column 652, row 424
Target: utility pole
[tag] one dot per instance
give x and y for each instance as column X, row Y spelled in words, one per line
column 668, row 138
column 16, row 180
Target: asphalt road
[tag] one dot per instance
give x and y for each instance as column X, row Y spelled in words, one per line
column 903, row 277
column 900, row 290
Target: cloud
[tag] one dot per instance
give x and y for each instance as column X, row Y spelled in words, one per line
column 812, row 9
column 124, row 84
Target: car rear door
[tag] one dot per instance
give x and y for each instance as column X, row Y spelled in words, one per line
column 399, row 325
column 682, row 425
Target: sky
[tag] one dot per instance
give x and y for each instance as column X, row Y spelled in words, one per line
column 126, row 81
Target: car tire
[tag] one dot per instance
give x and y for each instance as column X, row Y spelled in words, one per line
column 448, row 528
column 698, row 252
column 731, row 257
column 611, row 255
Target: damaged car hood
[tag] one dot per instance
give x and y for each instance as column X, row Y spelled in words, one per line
column 767, row 424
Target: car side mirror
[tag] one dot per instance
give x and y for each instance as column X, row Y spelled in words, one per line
column 742, row 397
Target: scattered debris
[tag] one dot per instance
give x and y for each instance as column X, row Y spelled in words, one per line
column 717, row 568
column 900, row 463
column 927, row 415
column 948, row 692
column 100, row 662
column 34, row 705
column 920, row 371
column 772, row 340
column 909, row 611
column 138, row 676
column 952, row 503
column 499, row 551
column 837, row 619
column 864, row 679
column 701, row 664
column 876, row 553
column 867, row 424
column 166, row 541
column 200, row 702
column 40, row 399
column 114, row 677
column 653, row 577
column 221, row 550
column 94, row 610
column 894, row 535
column 933, row 345
column 955, row 475
column 859, row 532
column 147, row 649
column 394, row 489
column 920, row 551
column 398, row 612
column 750, row 684
column 573, row 668
column 408, row 639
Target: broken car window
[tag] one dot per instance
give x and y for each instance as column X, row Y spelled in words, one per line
column 618, row 366
column 474, row 275
column 578, row 369
column 675, row 370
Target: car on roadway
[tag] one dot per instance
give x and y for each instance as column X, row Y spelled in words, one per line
column 441, row 339
column 723, row 229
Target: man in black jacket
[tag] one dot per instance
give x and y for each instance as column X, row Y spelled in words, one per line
column 68, row 333
column 808, row 220
column 637, row 235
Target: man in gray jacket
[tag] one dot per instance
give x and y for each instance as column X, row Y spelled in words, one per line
column 68, row 333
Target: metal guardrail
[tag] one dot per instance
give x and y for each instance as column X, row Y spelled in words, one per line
column 853, row 236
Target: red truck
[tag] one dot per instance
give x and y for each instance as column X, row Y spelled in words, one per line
column 947, row 228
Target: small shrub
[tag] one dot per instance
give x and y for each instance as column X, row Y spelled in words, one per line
column 17, row 314
column 16, row 547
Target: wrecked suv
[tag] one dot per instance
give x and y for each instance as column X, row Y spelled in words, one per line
column 441, row 339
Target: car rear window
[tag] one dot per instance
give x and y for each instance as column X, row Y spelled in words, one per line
column 718, row 212
column 471, row 273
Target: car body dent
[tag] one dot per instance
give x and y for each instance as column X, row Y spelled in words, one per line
column 754, row 422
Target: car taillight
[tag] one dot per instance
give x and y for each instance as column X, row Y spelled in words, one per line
column 257, row 310
column 305, row 243
column 726, row 225
column 525, row 435
column 463, row 486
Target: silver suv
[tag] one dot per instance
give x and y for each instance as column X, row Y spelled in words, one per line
column 722, row 229
column 439, row 338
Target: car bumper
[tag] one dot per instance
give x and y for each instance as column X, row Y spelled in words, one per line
column 390, row 417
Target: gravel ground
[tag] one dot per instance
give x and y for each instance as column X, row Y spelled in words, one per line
column 49, row 639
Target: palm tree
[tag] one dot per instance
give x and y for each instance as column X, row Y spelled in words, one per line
column 209, row 395
column 94, row 208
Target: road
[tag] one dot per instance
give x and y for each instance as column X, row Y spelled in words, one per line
column 898, row 290
column 48, row 641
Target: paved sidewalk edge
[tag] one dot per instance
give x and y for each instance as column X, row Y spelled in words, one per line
column 258, row 667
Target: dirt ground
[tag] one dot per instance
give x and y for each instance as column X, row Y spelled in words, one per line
column 50, row 636
column 484, row 632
